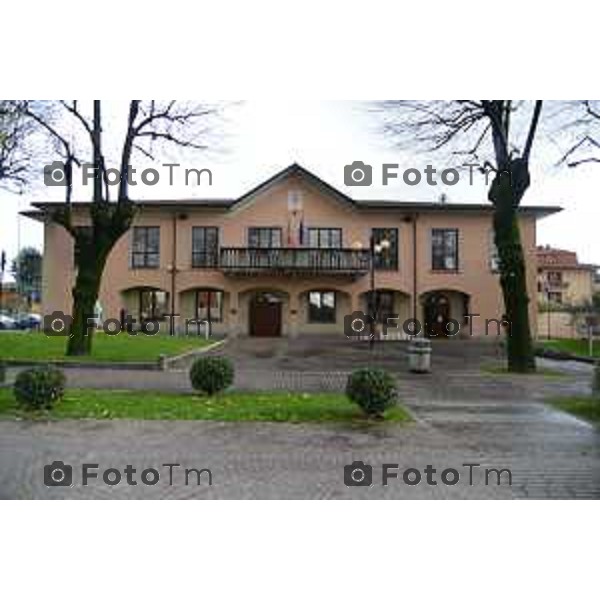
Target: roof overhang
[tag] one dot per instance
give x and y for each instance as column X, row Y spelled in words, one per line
column 432, row 207
column 295, row 170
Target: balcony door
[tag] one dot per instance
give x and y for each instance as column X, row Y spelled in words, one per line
column 265, row 315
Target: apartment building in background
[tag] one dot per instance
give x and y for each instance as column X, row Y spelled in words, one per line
column 562, row 279
column 292, row 257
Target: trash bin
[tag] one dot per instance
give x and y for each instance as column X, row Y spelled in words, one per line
column 419, row 355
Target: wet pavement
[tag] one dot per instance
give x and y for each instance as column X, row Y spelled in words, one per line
column 463, row 415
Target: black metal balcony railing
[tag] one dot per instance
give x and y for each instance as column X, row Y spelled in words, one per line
column 330, row 260
column 557, row 284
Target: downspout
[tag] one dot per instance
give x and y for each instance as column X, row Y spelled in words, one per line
column 415, row 280
column 173, row 274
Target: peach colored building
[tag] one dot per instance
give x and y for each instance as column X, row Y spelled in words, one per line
column 292, row 256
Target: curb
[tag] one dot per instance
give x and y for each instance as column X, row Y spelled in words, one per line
column 165, row 362
column 133, row 366
column 565, row 356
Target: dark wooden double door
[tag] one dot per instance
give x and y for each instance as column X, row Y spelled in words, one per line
column 437, row 315
column 265, row 316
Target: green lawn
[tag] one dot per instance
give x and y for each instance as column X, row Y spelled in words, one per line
column 232, row 406
column 579, row 347
column 106, row 348
column 586, row 407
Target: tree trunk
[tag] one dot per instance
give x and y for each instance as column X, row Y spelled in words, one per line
column 93, row 245
column 85, row 294
column 506, row 195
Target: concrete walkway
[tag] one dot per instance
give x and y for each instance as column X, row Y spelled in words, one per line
column 555, row 458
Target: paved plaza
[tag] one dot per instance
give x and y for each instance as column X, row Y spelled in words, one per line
column 462, row 415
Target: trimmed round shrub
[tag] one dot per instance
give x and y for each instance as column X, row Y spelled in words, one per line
column 39, row 388
column 211, row 374
column 374, row 390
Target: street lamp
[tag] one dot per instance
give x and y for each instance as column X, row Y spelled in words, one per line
column 548, row 305
column 377, row 249
column 2, row 268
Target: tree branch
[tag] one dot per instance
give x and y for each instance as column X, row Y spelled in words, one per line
column 73, row 110
column 128, row 145
column 493, row 110
column 532, row 129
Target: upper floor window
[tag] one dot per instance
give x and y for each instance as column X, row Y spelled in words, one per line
column 323, row 237
column 205, row 246
column 444, row 249
column 321, row 307
column 145, row 253
column 264, row 237
column 554, row 277
column 387, row 259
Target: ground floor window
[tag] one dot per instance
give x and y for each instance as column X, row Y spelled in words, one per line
column 321, row 307
column 209, row 306
column 153, row 304
column 555, row 297
column 384, row 304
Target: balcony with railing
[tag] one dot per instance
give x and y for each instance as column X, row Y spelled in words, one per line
column 556, row 284
column 331, row 261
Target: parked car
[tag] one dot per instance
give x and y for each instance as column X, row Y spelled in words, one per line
column 7, row 322
column 28, row 321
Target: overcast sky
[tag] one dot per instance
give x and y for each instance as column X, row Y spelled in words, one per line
column 257, row 138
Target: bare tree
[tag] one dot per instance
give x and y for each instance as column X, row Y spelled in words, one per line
column 581, row 119
column 14, row 155
column 484, row 132
column 148, row 123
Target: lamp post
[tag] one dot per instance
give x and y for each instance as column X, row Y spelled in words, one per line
column 376, row 249
column 2, row 268
column 548, row 307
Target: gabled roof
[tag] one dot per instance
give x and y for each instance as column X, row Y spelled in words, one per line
column 294, row 170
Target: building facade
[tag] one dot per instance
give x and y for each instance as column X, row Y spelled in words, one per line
column 293, row 256
column 9, row 296
column 562, row 279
